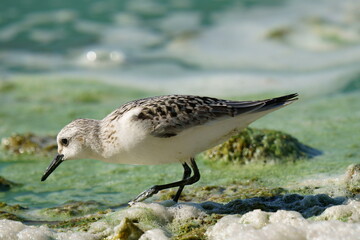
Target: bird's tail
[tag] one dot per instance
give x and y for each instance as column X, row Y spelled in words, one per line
column 277, row 102
column 267, row 106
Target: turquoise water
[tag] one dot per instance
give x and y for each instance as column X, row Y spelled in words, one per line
column 54, row 32
column 65, row 60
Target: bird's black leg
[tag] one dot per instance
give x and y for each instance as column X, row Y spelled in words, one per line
column 155, row 189
column 187, row 173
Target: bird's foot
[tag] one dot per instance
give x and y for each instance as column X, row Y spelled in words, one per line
column 144, row 195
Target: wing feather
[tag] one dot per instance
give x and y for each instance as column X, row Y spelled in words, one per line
column 171, row 114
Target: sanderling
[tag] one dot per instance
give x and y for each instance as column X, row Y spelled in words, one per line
column 159, row 130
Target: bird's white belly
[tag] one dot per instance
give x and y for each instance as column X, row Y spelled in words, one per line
column 143, row 148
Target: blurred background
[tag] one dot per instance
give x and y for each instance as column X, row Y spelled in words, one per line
column 218, row 47
column 62, row 60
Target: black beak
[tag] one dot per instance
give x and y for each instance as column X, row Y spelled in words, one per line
column 53, row 165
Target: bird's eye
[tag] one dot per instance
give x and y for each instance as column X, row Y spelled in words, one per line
column 64, row 141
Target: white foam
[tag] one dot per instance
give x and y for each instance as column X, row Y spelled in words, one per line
column 182, row 212
column 256, row 218
column 349, row 212
column 9, row 229
column 13, row 230
column 158, row 221
column 289, row 225
column 154, row 234
column 159, row 211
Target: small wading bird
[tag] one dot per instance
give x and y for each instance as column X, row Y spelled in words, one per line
column 159, row 130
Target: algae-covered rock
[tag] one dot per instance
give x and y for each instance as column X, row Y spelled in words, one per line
column 10, row 216
column 6, row 185
column 11, row 212
column 353, row 84
column 352, row 179
column 127, row 230
column 11, row 208
column 29, row 143
column 279, row 33
column 7, row 86
column 260, row 146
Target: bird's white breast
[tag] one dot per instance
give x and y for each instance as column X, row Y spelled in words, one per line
column 132, row 142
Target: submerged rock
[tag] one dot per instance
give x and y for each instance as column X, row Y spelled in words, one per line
column 260, row 146
column 280, row 33
column 6, row 185
column 11, row 208
column 352, row 179
column 10, row 216
column 11, row 212
column 353, row 84
column 29, row 143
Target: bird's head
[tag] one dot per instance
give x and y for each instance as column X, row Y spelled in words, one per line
column 72, row 143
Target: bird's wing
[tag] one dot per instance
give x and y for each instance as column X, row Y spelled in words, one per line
column 169, row 115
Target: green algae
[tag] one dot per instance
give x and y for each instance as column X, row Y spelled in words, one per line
column 260, row 146
column 75, row 215
column 73, row 209
column 88, row 97
column 344, row 218
column 11, row 208
column 80, row 223
column 229, row 192
column 148, row 218
column 12, row 212
column 306, row 190
column 7, row 86
column 279, row 33
column 194, row 228
column 10, row 216
column 345, row 213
